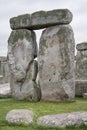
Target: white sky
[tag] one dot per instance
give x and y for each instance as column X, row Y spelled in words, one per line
column 11, row 8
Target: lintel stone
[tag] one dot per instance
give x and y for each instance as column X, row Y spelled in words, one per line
column 82, row 46
column 41, row 19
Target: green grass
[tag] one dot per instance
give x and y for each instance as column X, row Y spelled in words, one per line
column 39, row 108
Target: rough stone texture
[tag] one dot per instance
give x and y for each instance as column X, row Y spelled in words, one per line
column 22, row 49
column 84, row 95
column 81, row 69
column 81, row 61
column 80, row 87
column 82, row 46
column 5, row 90
column 4, row 70
column 1, row 79
column 20, row 116
column 41, row 19
column 63, row 120
column 56, row 63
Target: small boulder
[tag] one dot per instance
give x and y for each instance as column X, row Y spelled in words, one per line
column 20, row 116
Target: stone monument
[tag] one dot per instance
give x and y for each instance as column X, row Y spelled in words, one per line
column 22, row 49
column 55, row 57
column 81, row 69
column 4, row 70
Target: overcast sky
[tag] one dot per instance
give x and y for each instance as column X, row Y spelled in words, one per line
column 11, row 8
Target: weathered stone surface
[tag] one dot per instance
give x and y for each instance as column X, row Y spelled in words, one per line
column 4, row 70
column 82, row 46
column 22, row 49
column 63, row 120
column 3, row 58
column 84, row 95
column 81, row 61
column 1, row 79
column 56, row 63
column 5, row 90
column 41, row 19
column 81, row 69
column 20, row 116
column 80, row 87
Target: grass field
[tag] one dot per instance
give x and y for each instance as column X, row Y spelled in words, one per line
column 39, row 108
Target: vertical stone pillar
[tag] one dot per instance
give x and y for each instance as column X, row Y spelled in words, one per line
column 56, row 63
column 22, row 49
column 4, row 70
column 81, row 69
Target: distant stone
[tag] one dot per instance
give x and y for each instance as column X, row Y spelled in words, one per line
column 41, row 19
column 81, row 62
column 81, row 69
column 4, row 70
column 82, row 46
column 5, row 90
column 22, row 49
column 63, row 120
column 56, row 63
column 84, row 95
column 3, row 58
column 1, row 79
column 20, row 116
column 80, row 87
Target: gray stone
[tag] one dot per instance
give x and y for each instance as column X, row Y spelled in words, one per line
column 3, row 58
column 22, row 49
column 20, row 116
column 63, row 120
column 81, row 62
column 56, row 63
column 81, row 69
column 1, row 79
column 41, row 19
column 5, row 90
column 84, row 95
column 4, row 70
column 82, row 46
column 80, row 87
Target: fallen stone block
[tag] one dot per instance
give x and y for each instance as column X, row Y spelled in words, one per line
column 63, row 120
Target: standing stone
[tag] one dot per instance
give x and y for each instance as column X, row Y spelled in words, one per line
column 81, row 69
column 5, row 90
column 4, row 70
column 22, row 49
column 81, row 61
column 56, row 63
